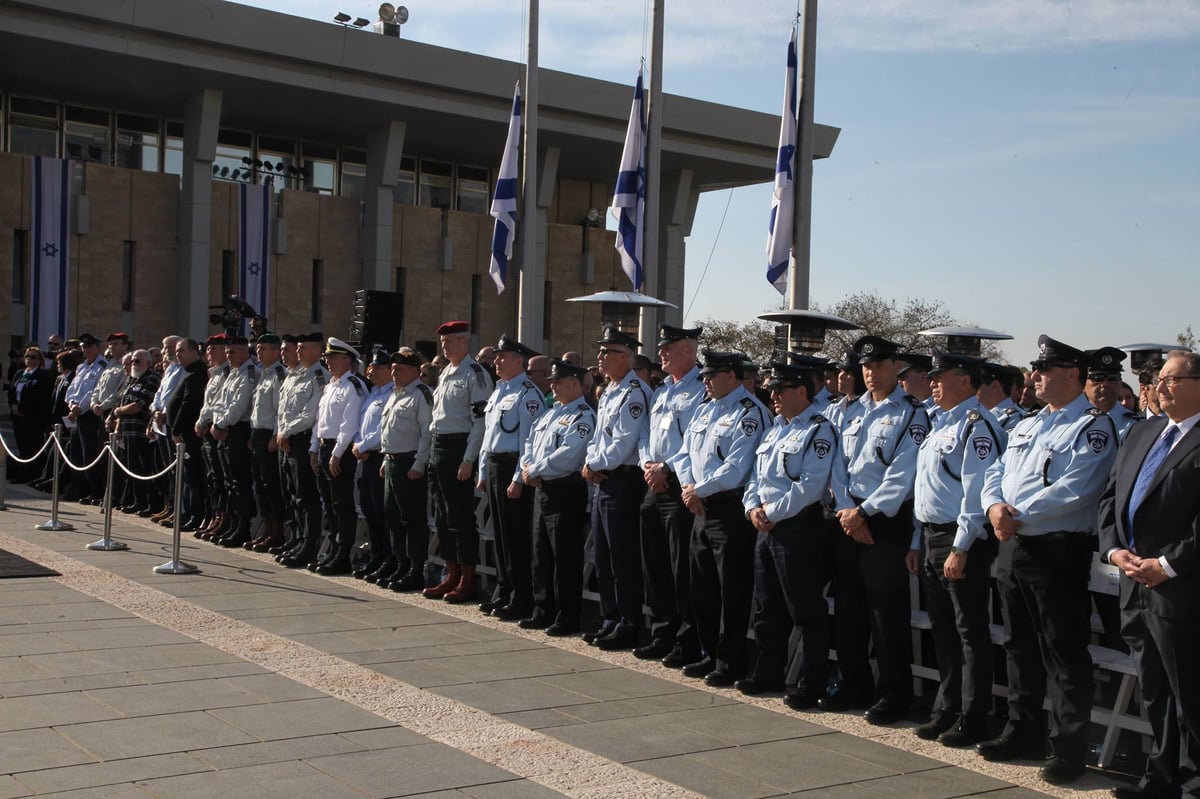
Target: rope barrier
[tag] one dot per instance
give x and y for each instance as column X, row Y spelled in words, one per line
column 66, row 460
column 166, row 469
column 13, row 456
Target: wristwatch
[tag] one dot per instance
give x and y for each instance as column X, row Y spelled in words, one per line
column 957, row 551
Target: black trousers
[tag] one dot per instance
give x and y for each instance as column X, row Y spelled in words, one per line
column 337, row 492
column 511, row 521
column 264, row 469
column 453, row 501
column 1167, row 655
column 214, row 476
column 559, row 515
column 86, row 439
column 404, row 504
column 615, row 535
column 370, row 499
column 193, row 479
column 666, row 542
column 1047, row 625
column 789, row 597
column 306, row 499
column 234, row 453
column 960, row 624
column 872, row 606
column 722, row 579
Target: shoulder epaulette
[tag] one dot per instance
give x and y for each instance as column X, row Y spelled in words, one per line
column 913, row 401
column 747, row 403
column 280, row 371
column 357, row 382
column 974, row 415
column 635, row 383
column 425, row 392
column 818, row 418
column 321, row 378
column 528, row 384
column 1011, row 410
column 1094, row 411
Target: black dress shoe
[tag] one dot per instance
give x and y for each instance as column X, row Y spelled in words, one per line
column 146, row 513
column 720, row 678
column 798, row 699
column 656, row 649
column 512, row 612
column 1012, row 746
column 538, row 621
column 413, row 581
column 679, row 657
column 969, row 730
column 885, row 712
column 753, row 685
column 937, row 724
column 843, row 701
column 623, row 636
column 492, row 605
column 335, row 567
column 1062, row 770
column 560, row 629
column 1138, row 792
column 593, row 636
column 700, row 669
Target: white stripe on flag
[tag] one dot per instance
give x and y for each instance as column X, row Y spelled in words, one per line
column 629, row 197
column 49, row 249
column 254, row 246
column 504, row 202
column 783, row 202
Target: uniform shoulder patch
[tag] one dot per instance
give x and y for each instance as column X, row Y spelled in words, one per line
column 360, row 387
column 425, row 392
column 1010, row 411
column 818, row 418
column 747, row 403
column 974, row 415
column 635, row 383
column 913, row 401
column 528, row 384
column 1094, row 411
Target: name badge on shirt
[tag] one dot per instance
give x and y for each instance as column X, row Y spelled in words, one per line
column 665, row 423
column 509, row 402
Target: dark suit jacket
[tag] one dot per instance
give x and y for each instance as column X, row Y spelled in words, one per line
column 184, row 408
column 1167, row 523
column 35, row 404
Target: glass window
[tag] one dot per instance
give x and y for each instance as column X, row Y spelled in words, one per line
column 86, row 134
column 320, row 167
column 354, row 180
column 33, row 127
column 405, row 190
column 138, row 143
column 276, row 161
column 435, row 191
column 173, row 151
column 229, row 163
column 473, row 190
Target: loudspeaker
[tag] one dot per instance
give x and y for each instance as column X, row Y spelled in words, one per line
column 376, row 320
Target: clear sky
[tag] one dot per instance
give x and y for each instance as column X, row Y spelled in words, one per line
column 1033, row 164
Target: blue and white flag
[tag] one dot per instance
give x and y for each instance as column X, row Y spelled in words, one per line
column 254, row 245
column 49, row 251
column 783, row 203
column 629, row 198
column 504, row 201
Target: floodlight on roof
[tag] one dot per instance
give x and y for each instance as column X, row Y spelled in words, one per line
column 387, row 12
column 401, row 14
column 361, row 22
column 342, row 18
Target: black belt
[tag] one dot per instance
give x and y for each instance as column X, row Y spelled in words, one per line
column 324, row 441
column 395, row 456
column 498, row 456
column 1059, row 537
column 570, row 479
column 733, row 494
column 625, row 471
column 949, row 527
column 451, row 436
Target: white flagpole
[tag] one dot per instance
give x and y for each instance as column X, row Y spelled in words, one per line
column 529, row 309
column 648, row 327
column 802, row 226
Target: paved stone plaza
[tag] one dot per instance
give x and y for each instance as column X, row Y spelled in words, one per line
column 250, row 680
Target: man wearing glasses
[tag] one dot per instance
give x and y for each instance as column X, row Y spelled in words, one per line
column 611, row 466
column 1042, row 493
column 1104, row 388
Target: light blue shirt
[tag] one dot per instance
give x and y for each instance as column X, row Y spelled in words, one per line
column 1124, row 420
column 86, row 375
column 622, row 417
column 1054, row 469
column 1008, row 413
column 558, row 442
column 836, row 411
column 508, row 418
column 674, row 405
column 951, row 463
column 879, row 452
column 171, row 379
column 721, row 442
column 371, row 417
column 822, row 400
column 792, row 465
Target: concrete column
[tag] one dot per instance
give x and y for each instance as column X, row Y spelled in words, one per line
column 679, row 201
column 533, row 254
column 201, row 120
column 385, row 145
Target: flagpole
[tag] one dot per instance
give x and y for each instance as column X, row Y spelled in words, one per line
column 529, row 308
column 798, row 278
column 648, row 326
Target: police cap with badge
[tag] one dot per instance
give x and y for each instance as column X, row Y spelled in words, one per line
column 614, row 335
column 793, row 373
column 1105, row 363
column 669, row 334
column 380, row 357
column 560, row 370
column 942, row 361
column 506, row 344
column 914, row 361
column 1052, row 352
column 716, row 361
column 869, row 349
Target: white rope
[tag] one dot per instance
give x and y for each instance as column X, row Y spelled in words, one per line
column 135, row 476
column 72, row 466
column 18, row 459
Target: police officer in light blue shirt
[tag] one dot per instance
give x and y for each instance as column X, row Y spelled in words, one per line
column 995, row 387
column 957, row 552
column 510, row 412
column 872, row 489
column 84, row 443
column 611, row 465
column 850, row 387
column 783, row 500
column 1103, row 388
column 550, row 466
column 1043, row 492
column 666, row 531
column 367, row 451
column 721, row 443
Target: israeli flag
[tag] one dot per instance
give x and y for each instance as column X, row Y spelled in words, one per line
column 783, row 203
column 254, row 245
column 49, row 255
column 504, row 201
column 629, row 199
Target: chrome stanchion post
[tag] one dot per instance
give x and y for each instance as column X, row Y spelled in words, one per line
column 106, row 543
column 175, row 565
column 54, row 524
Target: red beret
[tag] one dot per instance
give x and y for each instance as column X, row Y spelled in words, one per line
column 218, row 339
column 118, row 337
column 457, row 326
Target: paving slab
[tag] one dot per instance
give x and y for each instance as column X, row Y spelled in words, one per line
column 37, row 749
column 111, row 773
column 152, row 735
column 31, row 712
column 408, row 770
column 278, row 720
column 292, row 780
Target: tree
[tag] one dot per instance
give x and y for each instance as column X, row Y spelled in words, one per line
column 755, row 338
column 1187, row 338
